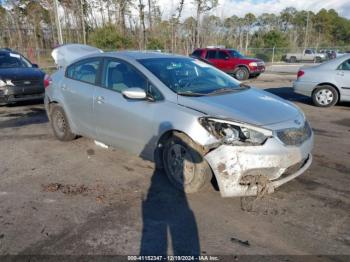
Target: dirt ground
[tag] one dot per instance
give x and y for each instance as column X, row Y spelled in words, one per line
column 78, row 198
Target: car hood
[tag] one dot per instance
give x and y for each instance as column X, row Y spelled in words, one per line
column 23, row 73
column 251, row 106
column 252, row 59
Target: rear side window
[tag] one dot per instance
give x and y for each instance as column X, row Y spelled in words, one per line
column 222, row 55
column 84, row 71
column 197, row 53
column 345, row 65
column 211, row 54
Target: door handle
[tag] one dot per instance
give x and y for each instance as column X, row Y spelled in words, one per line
column 100, row 99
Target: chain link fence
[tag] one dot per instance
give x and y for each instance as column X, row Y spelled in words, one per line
column 272, row 55
column 43, row 58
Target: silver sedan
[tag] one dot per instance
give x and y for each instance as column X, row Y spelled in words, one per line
column 185, row 115
column 327, row 83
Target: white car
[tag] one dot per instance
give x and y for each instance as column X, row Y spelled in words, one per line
column 327, row 83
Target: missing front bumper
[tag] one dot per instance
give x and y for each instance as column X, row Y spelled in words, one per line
column 272, row 161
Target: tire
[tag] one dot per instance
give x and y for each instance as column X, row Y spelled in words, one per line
column 184, row 164
column 293, row 59
column 241, row 73
column 318, row 59
column 60, row 124
column 325, row 96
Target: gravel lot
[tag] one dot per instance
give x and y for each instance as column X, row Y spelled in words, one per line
column 78, row 198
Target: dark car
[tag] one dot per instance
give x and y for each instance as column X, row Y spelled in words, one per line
column 231, row 62
column 20, row 80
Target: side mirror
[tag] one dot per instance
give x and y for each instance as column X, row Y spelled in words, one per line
column 35, row 66
column 135, row 93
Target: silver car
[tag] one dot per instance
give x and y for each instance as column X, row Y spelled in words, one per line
column 188, row 117
column 327, row 83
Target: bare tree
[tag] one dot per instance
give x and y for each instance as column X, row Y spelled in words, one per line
column 202, row 6
column 143, row 25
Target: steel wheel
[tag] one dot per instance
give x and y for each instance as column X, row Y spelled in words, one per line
column 180, row 163
column 184, row 164
column 59, row 123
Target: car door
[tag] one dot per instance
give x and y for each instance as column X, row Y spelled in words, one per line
column 308, row 55
column 78, row 93
column 122, row 122
column 343, row 78
column 211, row 57
column 223, row 60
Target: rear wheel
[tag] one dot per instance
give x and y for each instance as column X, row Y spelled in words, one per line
column 242, row 73
column 325, row 96
column 293, row 59
column 60, row 125
column 184, row 164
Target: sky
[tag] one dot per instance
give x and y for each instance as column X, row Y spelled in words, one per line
column 227, row 8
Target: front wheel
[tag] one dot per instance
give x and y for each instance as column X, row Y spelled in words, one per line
column 242, row 73
column 318, row 59
column 325, row 96
column 184, row 164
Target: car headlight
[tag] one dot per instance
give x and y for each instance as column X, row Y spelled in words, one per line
column 253, row 64
column 234, row 133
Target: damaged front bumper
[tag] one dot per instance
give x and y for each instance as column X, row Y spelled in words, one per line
column 274, row 161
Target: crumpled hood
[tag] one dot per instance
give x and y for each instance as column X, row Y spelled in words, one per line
column 251, row 106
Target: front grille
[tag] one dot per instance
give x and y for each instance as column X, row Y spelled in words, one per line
column 29, row 82
column 295, row 136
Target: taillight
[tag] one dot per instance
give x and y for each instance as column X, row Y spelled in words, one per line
column 47, row 80
column 300, row 73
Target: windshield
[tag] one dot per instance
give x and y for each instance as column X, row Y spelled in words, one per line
column 234, row 53
column 186, row 76
column 12, row 60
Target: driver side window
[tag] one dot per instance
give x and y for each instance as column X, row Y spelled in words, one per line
column 345, row 65
column 222, row 55
column 120, row 76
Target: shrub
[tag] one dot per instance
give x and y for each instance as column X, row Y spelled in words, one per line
column 108, row 37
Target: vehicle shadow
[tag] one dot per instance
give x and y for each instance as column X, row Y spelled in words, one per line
column 288, row 94
column 18, row 119
column 169, row 224
column 24, row 103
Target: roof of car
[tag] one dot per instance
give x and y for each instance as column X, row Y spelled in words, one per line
column 5, row 51
column 143, row 54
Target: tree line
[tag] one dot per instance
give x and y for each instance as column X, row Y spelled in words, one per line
column 141, row 24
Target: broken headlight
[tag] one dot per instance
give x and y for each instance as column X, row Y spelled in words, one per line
column 229, row 132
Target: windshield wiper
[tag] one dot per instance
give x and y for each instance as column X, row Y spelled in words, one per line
column 190, row 94
column 244, row 86
column 223, row 90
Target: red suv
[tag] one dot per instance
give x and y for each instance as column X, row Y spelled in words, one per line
column 231, row 62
